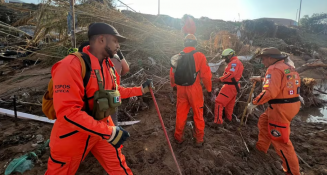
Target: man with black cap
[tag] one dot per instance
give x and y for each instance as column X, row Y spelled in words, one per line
column 120, row 65
column 77, row 131
column 281, row 89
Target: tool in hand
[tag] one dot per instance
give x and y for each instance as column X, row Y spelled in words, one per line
column 163, row 127
column 239, row 128
column 249, row 99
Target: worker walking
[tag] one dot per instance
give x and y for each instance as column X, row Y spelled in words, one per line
column 281, row 89
column 227, row 95
column 186, row 73
column 83, row 122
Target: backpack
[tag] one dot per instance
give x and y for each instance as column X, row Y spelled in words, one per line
column 185, row 74
column 47, row 100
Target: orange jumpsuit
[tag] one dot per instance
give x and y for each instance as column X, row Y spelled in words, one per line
column 281, row 90
column 75, row 133
column 189, row 26
column 227, row 95
column 192, row 96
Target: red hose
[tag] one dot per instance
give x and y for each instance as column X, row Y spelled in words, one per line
column 163, row 127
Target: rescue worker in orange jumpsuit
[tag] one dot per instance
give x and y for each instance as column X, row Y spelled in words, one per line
column 192, row 96
column 281, row 89
column 120, row 65
column 188, row 25
column 75, row 132
column 227, row 95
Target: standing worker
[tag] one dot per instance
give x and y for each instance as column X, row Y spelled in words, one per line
column 188, row 25
column 227, row 95
column 281, row 89
column 122, row 68
column 77, row 131
column 192, row 67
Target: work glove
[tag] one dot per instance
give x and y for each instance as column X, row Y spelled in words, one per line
column 120, row 54
column 118, row 136
column 250, row 108
column 146, row 86
column 256, row 78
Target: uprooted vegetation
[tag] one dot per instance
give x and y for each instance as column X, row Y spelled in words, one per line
column 152, row 41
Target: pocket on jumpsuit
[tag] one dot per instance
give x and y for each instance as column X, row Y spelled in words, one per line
column 278, row 131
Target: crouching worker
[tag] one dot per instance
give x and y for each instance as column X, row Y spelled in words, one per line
column 85, row 94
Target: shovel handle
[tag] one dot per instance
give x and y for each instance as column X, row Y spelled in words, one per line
column 164, row 129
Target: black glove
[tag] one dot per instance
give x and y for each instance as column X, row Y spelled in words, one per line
column 120, row 54
column 145, row 86
column 118, row 137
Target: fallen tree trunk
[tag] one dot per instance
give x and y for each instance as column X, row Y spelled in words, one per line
column 312, row 65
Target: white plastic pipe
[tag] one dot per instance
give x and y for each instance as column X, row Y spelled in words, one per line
column 23, row 115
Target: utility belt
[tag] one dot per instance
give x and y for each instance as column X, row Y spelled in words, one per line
column 235, row 83
column 286, row 100
column 105, row 101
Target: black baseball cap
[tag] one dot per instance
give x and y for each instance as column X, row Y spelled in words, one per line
column 100, row 28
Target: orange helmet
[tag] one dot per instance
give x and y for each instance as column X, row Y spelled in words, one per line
column 190, row 37
column 190, row 40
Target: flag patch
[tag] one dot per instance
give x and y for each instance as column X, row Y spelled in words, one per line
column 268, row 76
column 287, row 71
column 289, row 77
column 289, row 85
column 291, row 92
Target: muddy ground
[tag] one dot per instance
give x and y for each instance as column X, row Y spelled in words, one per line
column 147, row 151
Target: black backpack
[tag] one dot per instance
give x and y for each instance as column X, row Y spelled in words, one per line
column 185, row 74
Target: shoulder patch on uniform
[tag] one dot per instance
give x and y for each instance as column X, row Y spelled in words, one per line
column 289, row 85
column 287, row 71
column 232, row 69
column 267, row 82
column 289, row 77
column 291, row 92
column 297, row 82
column 268, row 76
column 234, row 65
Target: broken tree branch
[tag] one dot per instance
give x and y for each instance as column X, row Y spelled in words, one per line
column 312, row 65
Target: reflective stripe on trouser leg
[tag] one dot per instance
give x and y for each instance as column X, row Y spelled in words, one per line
column 218, row 114
column 110, row 158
